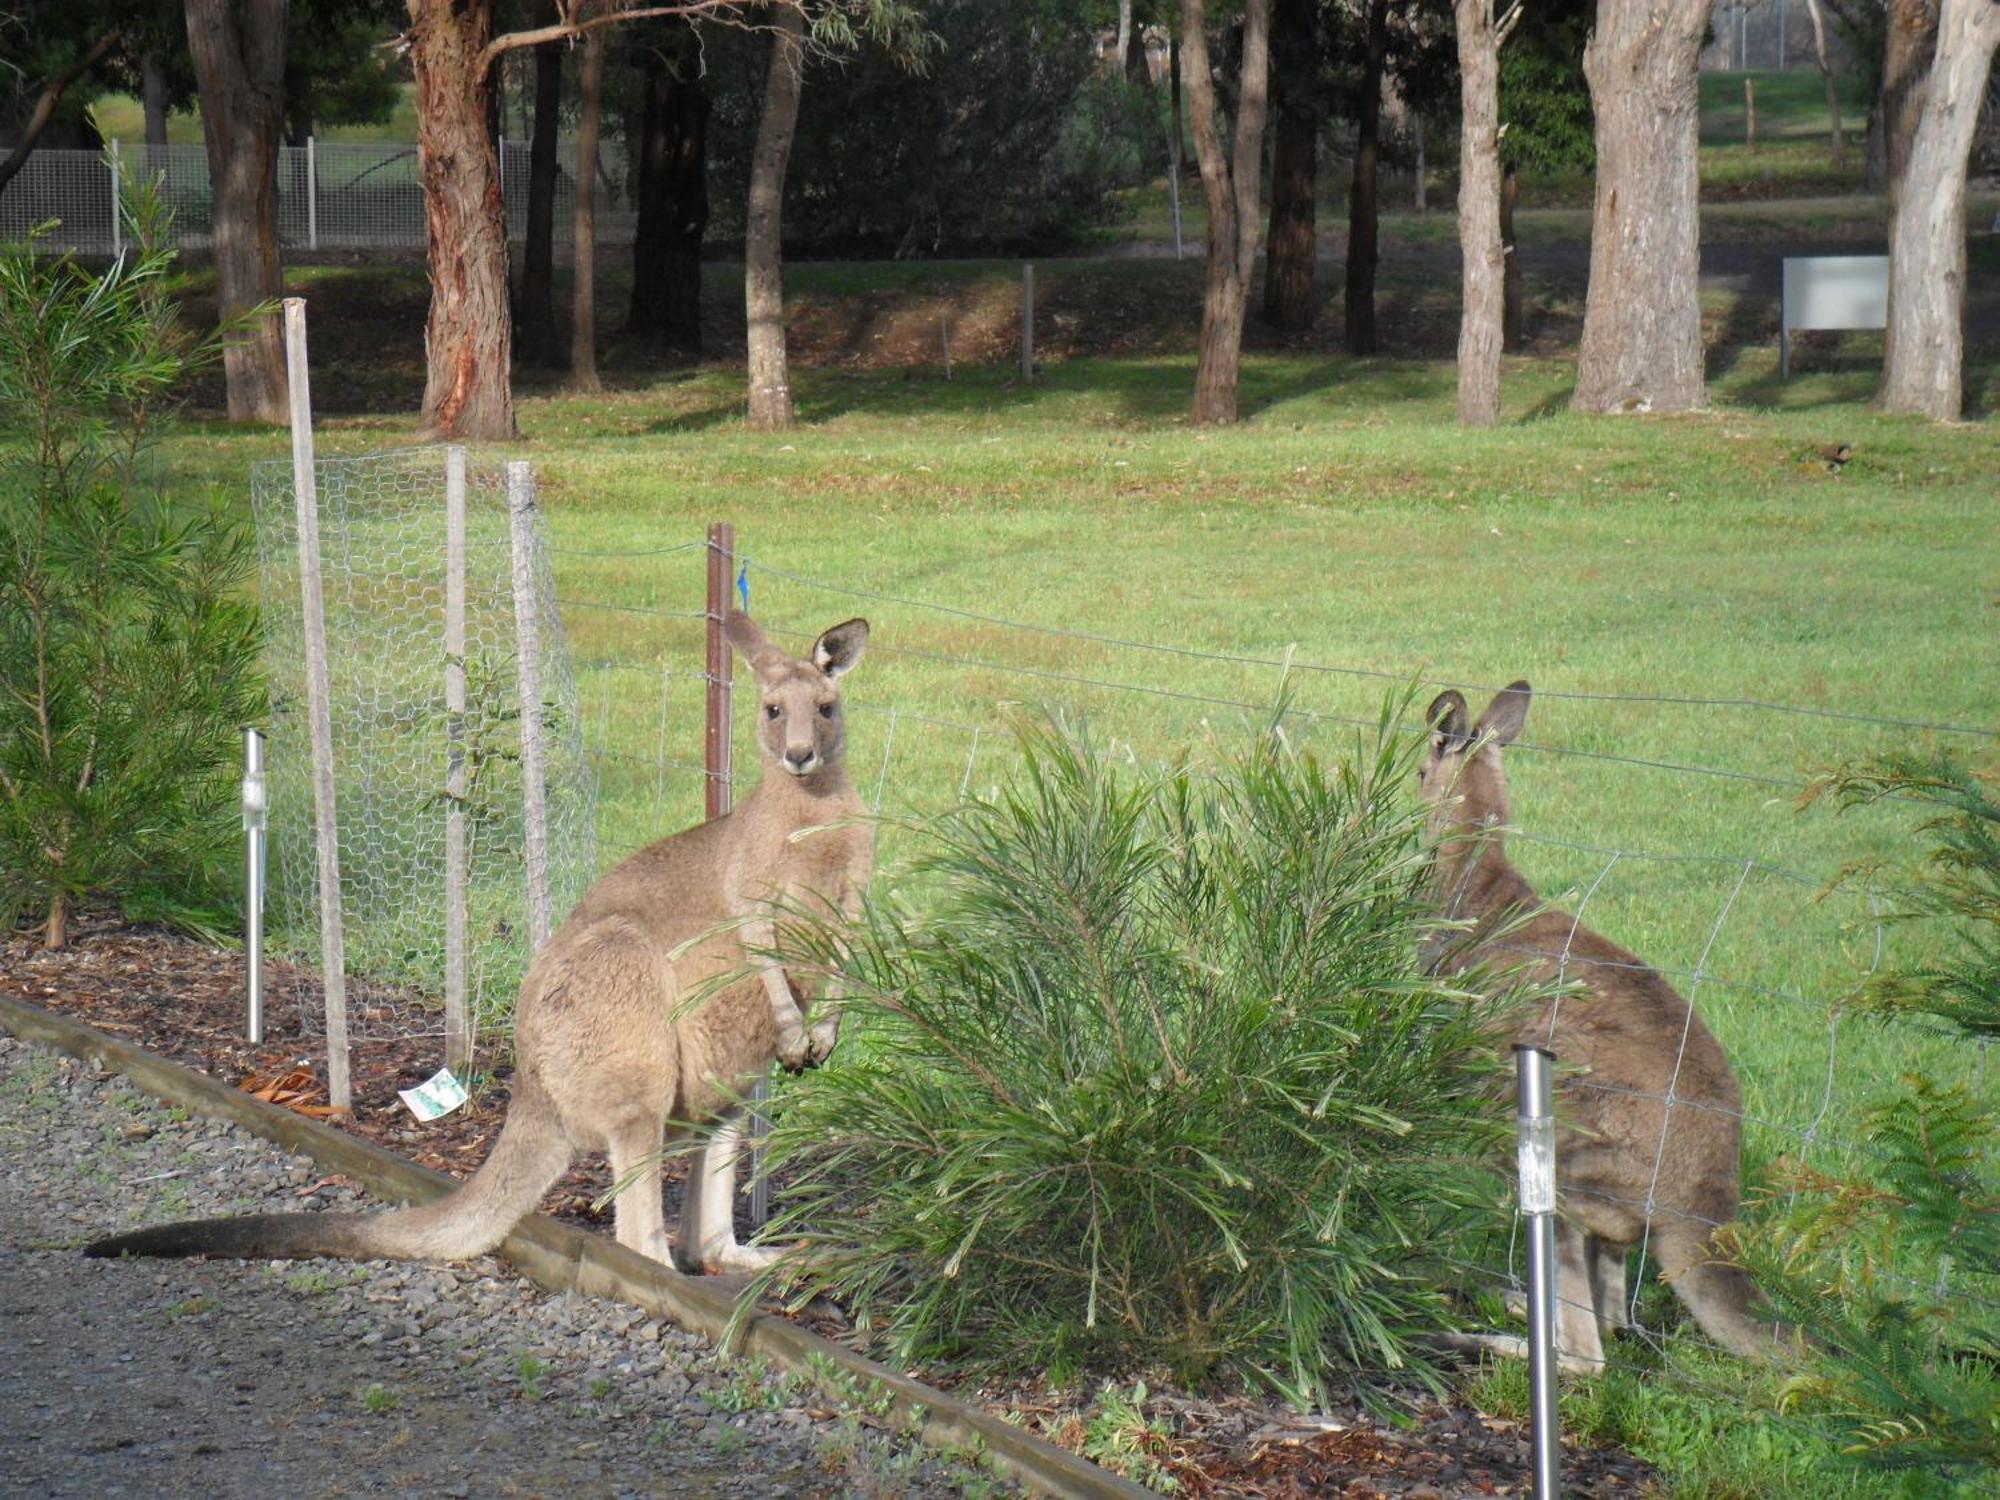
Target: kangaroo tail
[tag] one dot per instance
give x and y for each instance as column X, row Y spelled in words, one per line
column 530, row 1154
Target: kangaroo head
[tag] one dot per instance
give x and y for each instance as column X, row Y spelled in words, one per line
column 799, row 724
column 1462, row 776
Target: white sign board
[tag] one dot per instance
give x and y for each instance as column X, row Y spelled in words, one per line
column 1832, row 291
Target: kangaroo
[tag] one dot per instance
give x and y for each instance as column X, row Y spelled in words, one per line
column 605, row 1058
column 1620, row 1149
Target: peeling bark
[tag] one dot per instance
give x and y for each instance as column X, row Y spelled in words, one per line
column 1480, row 323
column 1232, row 191
column 1924, row 346
column 763, row 252
column 468, row 336
column 1642, row 346
column 239, row 65
column 1291, row 254
column 583, row 313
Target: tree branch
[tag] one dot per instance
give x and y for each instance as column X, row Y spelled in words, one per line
column 693, row 10
column 45, row 106
column 1505, row 26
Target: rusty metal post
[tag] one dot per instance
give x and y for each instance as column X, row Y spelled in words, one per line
column 721, row 567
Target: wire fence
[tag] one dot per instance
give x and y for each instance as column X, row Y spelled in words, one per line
column 406, row 758
column 331, row 195
column 1766, row 945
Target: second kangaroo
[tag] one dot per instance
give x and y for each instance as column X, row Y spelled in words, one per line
column 605, row 1058
column 1622, row 1151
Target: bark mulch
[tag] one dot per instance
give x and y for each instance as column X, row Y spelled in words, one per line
column 184, row 1000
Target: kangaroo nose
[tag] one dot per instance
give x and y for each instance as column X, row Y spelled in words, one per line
column 799, row 758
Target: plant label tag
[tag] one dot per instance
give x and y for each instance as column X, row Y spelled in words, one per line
column 436, row 1097
column 1535, row 1160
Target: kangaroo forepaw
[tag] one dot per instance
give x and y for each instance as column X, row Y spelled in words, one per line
column 795, row 1050
column 820, row 1040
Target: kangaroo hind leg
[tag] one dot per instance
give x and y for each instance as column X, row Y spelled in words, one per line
column 707, row 1241
column 1720, row 1295
column 632, row 1141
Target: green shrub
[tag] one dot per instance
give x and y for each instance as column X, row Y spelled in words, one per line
column 1894, row 1272
column 127, row 647
column 1154, row 1078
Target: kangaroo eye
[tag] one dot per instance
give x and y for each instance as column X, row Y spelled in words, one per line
column 770, row 710
column 826, row 710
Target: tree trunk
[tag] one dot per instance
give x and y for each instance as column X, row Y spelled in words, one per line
column 538, row 270
column 1291, row 290
column 1124, row 42
column 1232, row 191
column 46, row 102
column 1363, row 218
column 1513, row 318
column 583, row 315
column 1642, row 317
column 1906, row 59
column 763, row 253
column 1924, row 346
column 1839, row 138
column 239, row 65
column 153, row 91
column 1138, row 67
column 673, row 200
column 1419, row 196
column 1480, row 320
column 468, row 337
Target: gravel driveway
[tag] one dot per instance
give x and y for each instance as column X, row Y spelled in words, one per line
column 308, row 1379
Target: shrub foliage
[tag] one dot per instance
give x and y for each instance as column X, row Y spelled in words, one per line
column 1895, row 1273
column 127, row 647
column 1155, row 1077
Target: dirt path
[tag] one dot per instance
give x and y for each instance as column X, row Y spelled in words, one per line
column 226, row 1379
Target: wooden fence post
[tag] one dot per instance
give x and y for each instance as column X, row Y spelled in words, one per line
column 319, row 709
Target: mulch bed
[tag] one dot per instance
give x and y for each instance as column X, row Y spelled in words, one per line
column 183, row 1000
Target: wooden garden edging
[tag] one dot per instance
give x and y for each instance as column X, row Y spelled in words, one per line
column 559, row 1258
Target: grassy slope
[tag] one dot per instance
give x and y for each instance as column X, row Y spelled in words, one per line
column 1351, row 520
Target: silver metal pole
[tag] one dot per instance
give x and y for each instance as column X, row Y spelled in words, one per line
column 457, row 1025
column 1536, row 1163
column 759, row 1128
column 256, row 816
column 319, row 709
column 528, row 670
column 117, row 222
column 312, row 195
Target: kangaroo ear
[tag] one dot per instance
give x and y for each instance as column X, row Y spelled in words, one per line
column 839, row 649
column 1446, row 717
column 750, row 642
column 1506, row 714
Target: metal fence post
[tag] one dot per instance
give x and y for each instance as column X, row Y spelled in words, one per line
column 319, row 709
column 719, row 758
column 117, row 228
column 457, row 1027
column 528, row 671
column 1536, row 1163
column 1027, row 320
column 256, row 817
column 717, row 746
column 312, row 195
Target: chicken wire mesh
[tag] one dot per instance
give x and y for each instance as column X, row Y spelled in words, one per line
column 383, row 572
column 332, row 195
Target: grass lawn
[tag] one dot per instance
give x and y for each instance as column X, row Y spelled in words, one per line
column 1349, row 522
column 1073, row 544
